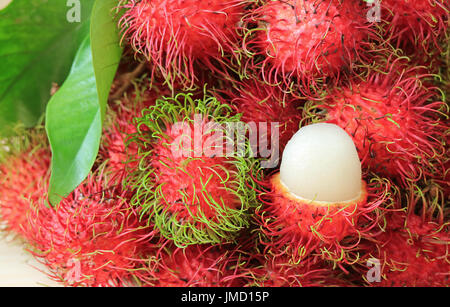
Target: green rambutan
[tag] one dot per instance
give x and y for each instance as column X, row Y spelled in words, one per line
column 193, row 177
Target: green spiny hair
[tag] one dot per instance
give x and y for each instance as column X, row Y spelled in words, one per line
column 234, row 173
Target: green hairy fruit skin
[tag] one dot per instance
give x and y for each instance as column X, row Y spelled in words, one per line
column 193, row 193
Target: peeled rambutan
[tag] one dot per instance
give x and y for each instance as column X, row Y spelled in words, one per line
column 24, row 173
column 420, row 23
column 93, row 237
column 178, row 35
column 318, row 198
column 306, row 39
column 266, row 106
column 396, row 121
column 193, row 176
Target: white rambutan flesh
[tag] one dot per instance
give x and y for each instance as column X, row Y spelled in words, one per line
column 320, row 163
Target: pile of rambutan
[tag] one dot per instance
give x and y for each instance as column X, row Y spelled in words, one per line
column 201, row 174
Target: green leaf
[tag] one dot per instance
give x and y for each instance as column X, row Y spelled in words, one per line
column 75, row 113
column 106, row 51
column 37, row 47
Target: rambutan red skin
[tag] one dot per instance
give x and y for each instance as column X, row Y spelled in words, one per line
column 413, row 252
column 198, row 266
column 420, row 23
column 279, row 271
column 262, row 103
column 121, row 125
column 175, row 35
column 298, row 227
column 23, row 181
column 91, row 238
column 395, row 122
column 307, row 39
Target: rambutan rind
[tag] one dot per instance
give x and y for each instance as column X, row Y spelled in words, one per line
column 420, row 23
column 280, row 271
column 297, row 227
column 197, row 266
column 261, row 103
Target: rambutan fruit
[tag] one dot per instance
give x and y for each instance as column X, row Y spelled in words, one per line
column 397, row 123
column 24, row 173
column 193, row 179
column 318, row 198
column 279, row 271
column 411, row 246
column 177, row 36
column 420, row 23
column 197, row 266
column 266, row 106
column 306, row 39
column 413, row 252
column 93, row 237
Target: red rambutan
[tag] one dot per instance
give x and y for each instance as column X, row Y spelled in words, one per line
column 421, row 23
column 413, row 252
column 23, row 180
column 197, row 266
column 279, row 271
column 91, row 238
column 188, row 182
column 310, row 40
column 175, row 35
column 396, row 122
column 411, row 246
